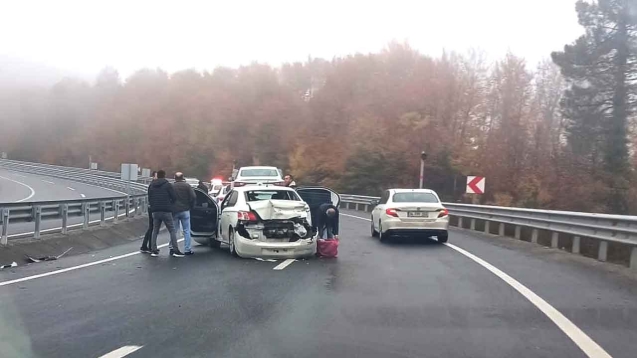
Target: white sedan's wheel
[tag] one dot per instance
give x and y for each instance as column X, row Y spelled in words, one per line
column 381, row 235
column 231, row 243
column 374, row 232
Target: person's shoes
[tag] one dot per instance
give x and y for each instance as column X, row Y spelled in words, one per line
column 189, row 253
column 176, row 253
column 144, row 250
column 155, row 253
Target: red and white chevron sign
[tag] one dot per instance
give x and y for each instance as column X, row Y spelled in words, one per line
column 475, row 185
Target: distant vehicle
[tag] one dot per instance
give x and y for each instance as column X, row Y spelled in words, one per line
column 261, row 221
column 216, row 185
column 410, row 212
column 222, row 193
column 193, row 182
column 256, row 175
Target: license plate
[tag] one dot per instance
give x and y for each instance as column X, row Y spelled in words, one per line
column 275, row 251
column 416, row 214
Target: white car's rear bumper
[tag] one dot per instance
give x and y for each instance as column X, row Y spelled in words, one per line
column 281, row 250
column 398, row 225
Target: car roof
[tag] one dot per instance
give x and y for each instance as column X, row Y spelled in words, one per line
column 412, row 191
column 262, row 187
column 258, row 167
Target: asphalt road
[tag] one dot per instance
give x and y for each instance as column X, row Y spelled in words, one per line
column 410, row 298
column 23, row 187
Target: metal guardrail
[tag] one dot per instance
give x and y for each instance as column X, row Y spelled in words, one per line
column 36, row 212
column 617, row 229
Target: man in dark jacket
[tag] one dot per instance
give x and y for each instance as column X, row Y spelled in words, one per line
column 161, row 196
column 202, row 186
column 327, row 221
column 149, row 233
column 184, row 202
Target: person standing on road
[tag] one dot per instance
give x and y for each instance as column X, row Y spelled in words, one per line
column 202, row 186
column 161, row 196
column 184, row 202
column 289, row 181
column 149, row 233
column 327, row 221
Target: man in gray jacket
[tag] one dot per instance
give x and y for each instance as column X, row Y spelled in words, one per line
column 184, row 202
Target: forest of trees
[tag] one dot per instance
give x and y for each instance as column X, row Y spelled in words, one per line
column 557, row 136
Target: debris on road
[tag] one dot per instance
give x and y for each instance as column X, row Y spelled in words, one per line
column 47, row 258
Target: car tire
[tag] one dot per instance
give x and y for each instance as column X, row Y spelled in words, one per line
column 231, row 243
column 374, row 232
column 383, row 237
column 442, row 238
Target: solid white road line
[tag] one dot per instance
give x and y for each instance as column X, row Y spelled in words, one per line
column 48, row 182
column 121, row 352
column 28, row 187
column 355, row 217
column 284, row 264
column 68, row 187
column 581, row 339
column 73, row 268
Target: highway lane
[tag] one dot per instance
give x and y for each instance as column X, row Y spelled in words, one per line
column 16, row 186
column 411, row 298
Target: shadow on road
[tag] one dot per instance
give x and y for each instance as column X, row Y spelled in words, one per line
column 421, row 241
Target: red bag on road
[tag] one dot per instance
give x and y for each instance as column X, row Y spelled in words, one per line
column 327, row 248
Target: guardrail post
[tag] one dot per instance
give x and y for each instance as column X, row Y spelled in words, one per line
column 555, row 239
column 356, row 206
column 501, row 229
column 5, row 226
column 603, row 251
column 486, row 226
column 64, row 211
column 87, row 215
column 534, row 236
column 102, row 213
column 137, row 206
column 115, row 210
column 518, row 232
column 127, row 206
column 366, row 208
column 576, row 242
column 460, row 222
column 473, row 224
column 633, row 258
column 38, row 220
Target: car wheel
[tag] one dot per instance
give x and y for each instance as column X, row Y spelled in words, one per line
column 231, row 244
column 374, row 232
column 442, row 238
column 381, row 235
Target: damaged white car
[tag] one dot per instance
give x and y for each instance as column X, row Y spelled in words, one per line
column 263, row 221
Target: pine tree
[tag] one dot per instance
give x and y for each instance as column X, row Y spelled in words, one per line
column 600, row 68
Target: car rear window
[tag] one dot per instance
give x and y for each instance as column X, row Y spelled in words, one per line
column 259, row 173
column 257, row 195
column 414, row 198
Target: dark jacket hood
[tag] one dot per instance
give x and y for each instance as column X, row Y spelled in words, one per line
column 159, row 182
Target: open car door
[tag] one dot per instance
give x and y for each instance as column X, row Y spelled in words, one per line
column 204, row 218
column 316, row 196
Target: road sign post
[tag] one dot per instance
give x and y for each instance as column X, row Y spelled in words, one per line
column 423, row 156
column 475, row 185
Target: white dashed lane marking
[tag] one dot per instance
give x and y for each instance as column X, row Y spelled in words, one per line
column 283, row 264
column 48, row 182
column 121, row 352
column 82, row 195
column 68, row 187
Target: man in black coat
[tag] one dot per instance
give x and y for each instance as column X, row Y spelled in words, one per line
column 161, row 196
column 149, row 232
column 327, row 221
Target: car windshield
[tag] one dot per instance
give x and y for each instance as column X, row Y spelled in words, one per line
column 257, row 195
column 414, row 198
column 259, row 173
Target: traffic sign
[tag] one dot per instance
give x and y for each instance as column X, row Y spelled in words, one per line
column 475, row 185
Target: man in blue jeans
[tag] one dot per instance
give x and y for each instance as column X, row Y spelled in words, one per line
column 184, row 202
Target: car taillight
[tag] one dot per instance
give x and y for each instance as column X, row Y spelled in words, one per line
column 246, row 216
column 443, row 213
column 391, row 212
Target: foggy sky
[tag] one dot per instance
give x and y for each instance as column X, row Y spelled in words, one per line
column 85, row 36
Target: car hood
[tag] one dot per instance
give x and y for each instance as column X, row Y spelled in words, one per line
column 279, row 209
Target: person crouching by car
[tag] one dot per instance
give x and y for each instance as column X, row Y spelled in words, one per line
column 327, row 221
column 184, row 202
column 161, row 196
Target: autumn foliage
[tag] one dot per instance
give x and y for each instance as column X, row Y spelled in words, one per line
column 357, row 124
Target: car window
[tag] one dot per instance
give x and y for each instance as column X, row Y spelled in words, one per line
column 415, row 198
column 385, row 197
column 259, row 173
column 202, row 200
column 257, row 195
column 232, row 200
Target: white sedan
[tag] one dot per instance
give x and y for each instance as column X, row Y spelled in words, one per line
column 410, row 211
column 261, row 220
